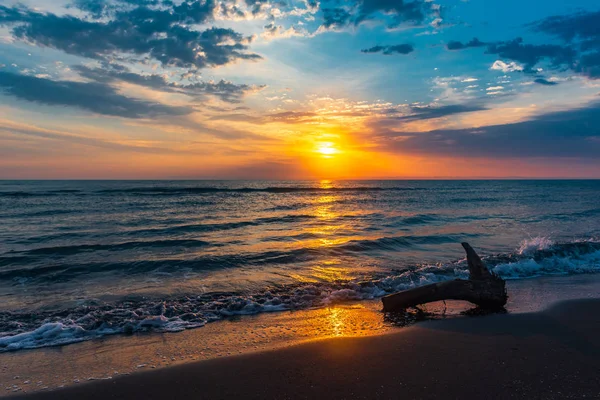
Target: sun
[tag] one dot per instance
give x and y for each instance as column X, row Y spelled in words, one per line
column 327, row 149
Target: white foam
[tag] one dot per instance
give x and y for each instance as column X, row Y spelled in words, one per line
column 154, row 322
column 531, row 245
column 50, row 334
column 554, row 265
column 534, row 257
column 343, row 295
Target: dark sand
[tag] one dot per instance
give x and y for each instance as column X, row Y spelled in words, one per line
column 554, row 354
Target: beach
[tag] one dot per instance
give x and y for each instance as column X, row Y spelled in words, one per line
column 545, row 355
column 544, row 347
column 264, row 289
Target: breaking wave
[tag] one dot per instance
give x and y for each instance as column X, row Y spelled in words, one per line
column 23, row 330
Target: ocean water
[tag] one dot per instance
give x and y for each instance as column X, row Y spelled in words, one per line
column 83, row 259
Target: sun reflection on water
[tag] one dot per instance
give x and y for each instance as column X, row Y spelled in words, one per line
column 329, row 229
column 326, row 184
column 329, row 272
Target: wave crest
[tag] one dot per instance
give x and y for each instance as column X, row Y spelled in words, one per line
column 531, row 245
column 20, row 330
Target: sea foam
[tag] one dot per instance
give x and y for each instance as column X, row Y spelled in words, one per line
column 534, row 258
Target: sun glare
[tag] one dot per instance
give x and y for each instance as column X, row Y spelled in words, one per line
column 327, row 149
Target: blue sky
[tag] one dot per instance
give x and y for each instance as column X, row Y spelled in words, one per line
column 301, row 89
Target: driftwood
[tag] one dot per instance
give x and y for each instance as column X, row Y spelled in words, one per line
column 483, row 288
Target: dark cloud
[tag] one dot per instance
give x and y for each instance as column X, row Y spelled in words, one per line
column 589, row 65
column 424, row 113
column 392, row 12
column 573, row 133
column 95, row 97
column 389, row 50
column 455, row 45
column 578, row 52
column 335, row 18
column 581, row 31
column 158, row 33
column 163, row 11
column 224, row 90
column 400, row 10
column 543, row 81
column 530, row 55
column 100, row 8
column 582, row 26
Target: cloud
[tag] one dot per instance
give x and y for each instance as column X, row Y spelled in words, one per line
column 224, row 90
column 28, row 130
column 543, row 81
column 335, row 18
column 158, row 33
column 291, row 117
column 188, row 11
column 455, row 45
column 579, row 51
column 238, row 117
column 429, row 112
column 100, row 8
column 94, row 97
column 389, row 50
column 392, row 13
column 559, row 134
column 529, row 55
column 500, row 65
column 582, row 26
column 273, row 31
column 581, row 32
column 399, row 10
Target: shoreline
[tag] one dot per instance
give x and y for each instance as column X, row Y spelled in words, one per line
column 550, row 354
column 122, row 357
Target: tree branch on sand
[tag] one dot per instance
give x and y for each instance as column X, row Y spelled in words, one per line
column 483, row 288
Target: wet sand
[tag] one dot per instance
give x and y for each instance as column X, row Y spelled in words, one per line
column 553, row 354
column 337, row 351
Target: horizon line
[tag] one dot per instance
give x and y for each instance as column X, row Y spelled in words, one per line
column 306, row 180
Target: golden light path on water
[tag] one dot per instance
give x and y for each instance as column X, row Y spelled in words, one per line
column 328, row 226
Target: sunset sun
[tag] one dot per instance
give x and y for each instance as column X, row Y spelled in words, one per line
column 327, row 149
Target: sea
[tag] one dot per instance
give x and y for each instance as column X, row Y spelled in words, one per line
column 80, row 260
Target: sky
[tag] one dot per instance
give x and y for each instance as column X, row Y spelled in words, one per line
column 299, row 89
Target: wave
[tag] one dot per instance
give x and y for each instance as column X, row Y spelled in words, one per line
column 21, row 193
column 474, row 199
column 580, row 214
column 158, row 190
column 24, row 194
column 21, row 330
column 68, row 250
column 44, row 213
column 400, row 242
column 270, row 189
column 282, row 219
column 45, row 271
column 191, row 228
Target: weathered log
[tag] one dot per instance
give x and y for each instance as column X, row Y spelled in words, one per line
column 483, row 288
